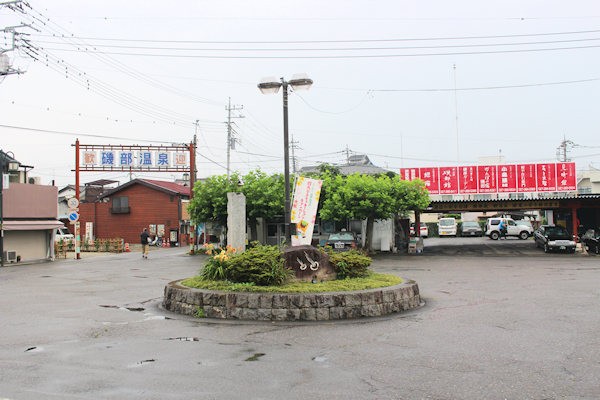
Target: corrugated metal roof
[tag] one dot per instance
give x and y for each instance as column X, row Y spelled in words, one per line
column 570, row 197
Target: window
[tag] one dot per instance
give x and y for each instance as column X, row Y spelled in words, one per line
column 120, row 205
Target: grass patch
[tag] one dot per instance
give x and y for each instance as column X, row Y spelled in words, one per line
column 371, row 281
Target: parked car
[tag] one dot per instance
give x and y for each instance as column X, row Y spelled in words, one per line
column 424, row 229
column 554, row 237
column 471, row 228
column 63, row 234
column 341, row 241
column 591, row 241
column 447, row 226
column 512, row 229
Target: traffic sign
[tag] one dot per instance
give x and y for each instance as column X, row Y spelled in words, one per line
column 73, row 202
column 73, row 216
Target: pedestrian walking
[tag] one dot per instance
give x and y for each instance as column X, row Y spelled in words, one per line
column 502, row 229
column 144, row 239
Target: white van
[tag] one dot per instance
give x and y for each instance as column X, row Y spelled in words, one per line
column 447, row 227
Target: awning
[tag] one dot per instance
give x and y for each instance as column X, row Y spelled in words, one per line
column 31, row 225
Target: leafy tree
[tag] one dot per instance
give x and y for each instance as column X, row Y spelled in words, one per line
column 370, row 197
column 210, row 198
column 264, row 197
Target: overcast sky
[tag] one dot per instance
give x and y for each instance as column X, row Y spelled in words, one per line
column 409, row 83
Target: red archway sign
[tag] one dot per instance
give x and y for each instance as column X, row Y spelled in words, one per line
column 132, row 158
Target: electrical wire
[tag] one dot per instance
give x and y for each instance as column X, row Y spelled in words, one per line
column 340, row 41
column 346, row 56
column 94, row 47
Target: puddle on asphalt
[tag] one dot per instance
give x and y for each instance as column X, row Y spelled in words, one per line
column 255, row 357
column 184, row 339
column 141, row 363
column 123, row 308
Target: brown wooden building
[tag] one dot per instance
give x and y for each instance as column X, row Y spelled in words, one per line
column 141, row 203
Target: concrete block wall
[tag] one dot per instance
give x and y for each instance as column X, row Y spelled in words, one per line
column 291, row 307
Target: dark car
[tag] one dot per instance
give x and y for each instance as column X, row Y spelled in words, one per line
column 552, row 237
column 590, row 240
column 342, row 241
column 471, row 228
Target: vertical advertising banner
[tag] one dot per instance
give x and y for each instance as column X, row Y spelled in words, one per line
column 467, row 179
column 566, row 177
column 431, row 178
column 546, row 177
column 408, row 174
column 448, row 180
column 526, row 178
column 507, row 178
column 487, row 179
column 304, row 209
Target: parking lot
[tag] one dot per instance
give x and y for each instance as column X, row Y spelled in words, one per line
column 498, row 326
column 482, row 246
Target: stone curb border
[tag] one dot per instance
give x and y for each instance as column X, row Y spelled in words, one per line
column 291, row 306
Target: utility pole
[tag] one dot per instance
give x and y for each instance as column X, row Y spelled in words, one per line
column 294, row 146
column 347, row 155
column 230, row 139
column 562, row 150
column 456, row 116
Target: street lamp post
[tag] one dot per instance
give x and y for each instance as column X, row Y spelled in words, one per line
column 271, row 86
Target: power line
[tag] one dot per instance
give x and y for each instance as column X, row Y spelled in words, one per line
column 122, row 40
column 343, row 56
column 94, row 47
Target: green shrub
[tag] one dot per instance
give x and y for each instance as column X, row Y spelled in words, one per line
column 350, row 264
column 260, row 265
column 216, row 266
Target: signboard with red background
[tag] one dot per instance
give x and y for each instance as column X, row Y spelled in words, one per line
column 487, row 179
column 566, row 177
column 504, row 178
column 467, row 179
column 448, row 180
column 546, row 177
column 408, row 174
column 507, row 178
column 431, row 178
column 526, row 178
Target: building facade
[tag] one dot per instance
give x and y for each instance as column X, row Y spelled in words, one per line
column 123, row 212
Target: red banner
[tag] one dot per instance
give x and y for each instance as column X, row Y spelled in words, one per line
column 448, row 180
column 546, row 177
column 507, row 178
column 526, row 178
column 566, row 177
column 503, row 178
column 431, row 178
column 487, row 179
column 408, row 174
column 467, row 179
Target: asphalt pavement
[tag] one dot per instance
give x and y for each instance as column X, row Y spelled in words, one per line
column 507, row 325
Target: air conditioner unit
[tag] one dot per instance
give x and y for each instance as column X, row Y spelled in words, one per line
column 34, row 180
column 10, row 255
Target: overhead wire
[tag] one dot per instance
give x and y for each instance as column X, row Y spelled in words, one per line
column 340, row 56
column 126, row 69
column 94, row 47
column 560, row 33
column 106, row 90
